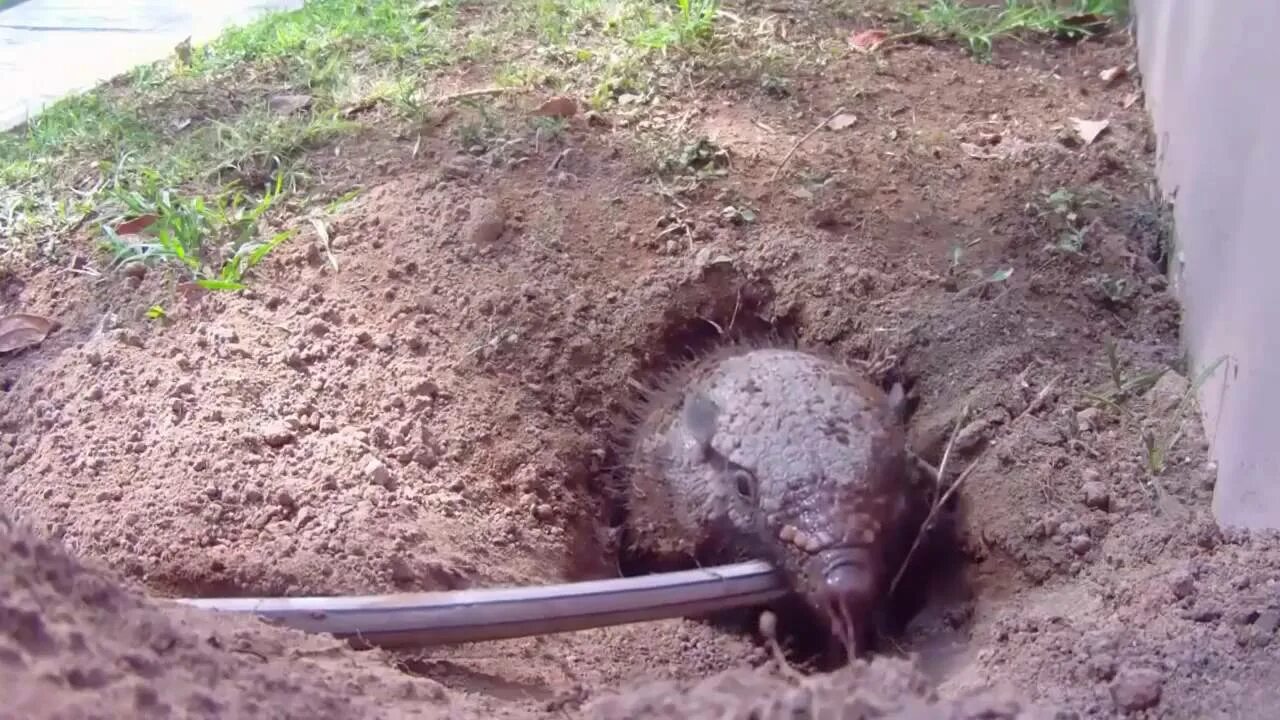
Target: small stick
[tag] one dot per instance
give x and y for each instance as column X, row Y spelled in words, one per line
column 937, row 505
column 802, row 140
column 942, row 467
column 473, row 93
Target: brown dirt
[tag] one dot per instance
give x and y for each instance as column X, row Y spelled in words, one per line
column 440, row 412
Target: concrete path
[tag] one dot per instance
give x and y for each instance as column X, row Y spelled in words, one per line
column 52, row 48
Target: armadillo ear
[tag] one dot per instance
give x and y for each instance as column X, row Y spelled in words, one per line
column 700, row 414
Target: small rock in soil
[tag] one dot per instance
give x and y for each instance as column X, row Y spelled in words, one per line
column 1168, row 391
column 1089, row 419
column 1136, row 689
column 1096, row 495
column 377, row 473
column 1081, row 544
column 1182, row 584
column 1268, row 621
column 277, row 433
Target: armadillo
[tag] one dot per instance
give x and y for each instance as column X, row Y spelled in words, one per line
column 781, row 455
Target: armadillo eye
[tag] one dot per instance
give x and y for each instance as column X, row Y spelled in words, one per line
column 745, row 483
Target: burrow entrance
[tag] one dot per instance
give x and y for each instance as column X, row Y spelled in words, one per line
column 725, row 310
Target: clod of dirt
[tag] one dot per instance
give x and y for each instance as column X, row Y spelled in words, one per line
column 487, row 221
column 884, row 689
column 277, row 433
column 1096, row 495
column 1136, row 689
column 558, row 107
column 778, row 454
column 76, row 645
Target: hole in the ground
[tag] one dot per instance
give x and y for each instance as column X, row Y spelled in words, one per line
column 698, row 324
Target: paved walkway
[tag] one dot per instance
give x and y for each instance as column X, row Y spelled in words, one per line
column 52, row 48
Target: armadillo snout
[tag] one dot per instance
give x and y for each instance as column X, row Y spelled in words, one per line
column 845, row 591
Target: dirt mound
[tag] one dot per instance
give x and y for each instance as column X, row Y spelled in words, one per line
column 883, row 689
column 74, row 644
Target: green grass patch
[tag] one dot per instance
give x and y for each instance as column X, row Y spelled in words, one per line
column 215, row 241
column 216, row 143
column 979, row 24
column 194, row 139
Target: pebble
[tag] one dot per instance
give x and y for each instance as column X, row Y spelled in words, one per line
column 1096, row 495
column 1081, row 544
column 377, row 472
column 1168, row 391
column 1089, row 419
column 277, row 433
column 128, row 337
column 1182, row 584
column 1268, row 621
column 1136, row 689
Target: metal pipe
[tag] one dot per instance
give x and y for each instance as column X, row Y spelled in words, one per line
column 436, row 618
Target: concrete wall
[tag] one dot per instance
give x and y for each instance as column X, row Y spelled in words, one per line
column 1211, row 72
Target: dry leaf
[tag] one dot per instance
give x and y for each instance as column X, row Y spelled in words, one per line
column 22, row 330
column 842, row 121
column 136, row 225
column 867, row 41
column 288, row 104
column 1089, row 130
column 1131, row 98
column 560, row 107
column 1112, row 74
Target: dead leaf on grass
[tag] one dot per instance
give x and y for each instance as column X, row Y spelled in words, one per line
column 286, row 104
column 1089, row 130
column 842, row 121
column 136, row 225
column 867, row 41
column 23, row 330
column 559, row 107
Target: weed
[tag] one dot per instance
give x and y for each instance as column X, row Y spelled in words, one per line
column 479, row 133
column 1158, row 446
column 1112, row 290
column 692, row 21
column 701, row 158
column 215, row 242
column 548, row 128
column 978, row 26
column 1063, row 211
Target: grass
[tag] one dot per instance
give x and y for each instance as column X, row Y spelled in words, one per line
column 979, row 25
column 194, row 141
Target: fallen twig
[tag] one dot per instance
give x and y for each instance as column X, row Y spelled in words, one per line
column 802, row 140
column 473, row 93
column 941, row 502
column 938, row 503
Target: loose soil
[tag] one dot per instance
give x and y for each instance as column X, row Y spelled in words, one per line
column 442, row 412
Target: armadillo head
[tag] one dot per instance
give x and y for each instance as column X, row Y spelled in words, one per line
column 803, row 464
